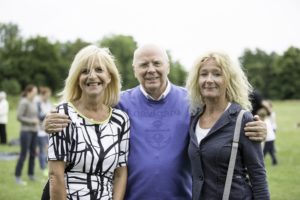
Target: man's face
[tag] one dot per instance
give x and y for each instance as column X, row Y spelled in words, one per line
column 151, row 68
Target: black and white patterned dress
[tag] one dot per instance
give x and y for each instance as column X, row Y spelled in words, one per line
column 91, row 150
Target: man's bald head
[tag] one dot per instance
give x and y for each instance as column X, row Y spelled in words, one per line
column 148, row 48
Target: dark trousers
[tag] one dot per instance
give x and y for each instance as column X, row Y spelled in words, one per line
column 28, row 141
column 269, row 147
column 46, row 192
column 3, row 133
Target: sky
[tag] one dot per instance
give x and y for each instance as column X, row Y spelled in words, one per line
column 187, row 28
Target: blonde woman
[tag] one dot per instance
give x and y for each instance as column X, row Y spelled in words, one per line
column 88, row 158
column 218, row 89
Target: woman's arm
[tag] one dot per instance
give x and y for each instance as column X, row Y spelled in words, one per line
column 120, row 174
column 57, row 181
column 254, row 161
column 119, row 184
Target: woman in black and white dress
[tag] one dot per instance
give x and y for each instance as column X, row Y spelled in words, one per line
column 88, row 158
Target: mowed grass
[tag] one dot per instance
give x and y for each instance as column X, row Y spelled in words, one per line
column 283, row 179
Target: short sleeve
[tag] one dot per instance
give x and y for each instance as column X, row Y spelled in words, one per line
column 124, row 142
column 59, row 142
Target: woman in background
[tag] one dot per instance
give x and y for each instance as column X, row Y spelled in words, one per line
column 27, row 115
column 44, row 106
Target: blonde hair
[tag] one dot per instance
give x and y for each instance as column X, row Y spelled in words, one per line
column 86, row 57
column 238, row 87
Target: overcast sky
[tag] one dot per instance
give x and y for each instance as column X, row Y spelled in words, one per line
column 187, row 28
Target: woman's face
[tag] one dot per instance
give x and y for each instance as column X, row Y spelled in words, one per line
column 32, row 93
column 46, row 96
column 94, row 80
column 212, row 81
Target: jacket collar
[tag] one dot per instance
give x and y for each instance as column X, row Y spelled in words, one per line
column 225, row 118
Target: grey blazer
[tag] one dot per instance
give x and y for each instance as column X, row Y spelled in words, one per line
column 210, row 160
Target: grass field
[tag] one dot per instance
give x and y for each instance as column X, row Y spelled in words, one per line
column 284, row 179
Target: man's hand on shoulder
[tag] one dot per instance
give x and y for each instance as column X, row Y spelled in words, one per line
column 256, row 130
column 55, row 122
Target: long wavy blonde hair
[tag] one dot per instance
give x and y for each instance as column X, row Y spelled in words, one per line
column 238, row 87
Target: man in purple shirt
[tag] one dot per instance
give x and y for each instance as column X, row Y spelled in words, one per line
column 158, row 165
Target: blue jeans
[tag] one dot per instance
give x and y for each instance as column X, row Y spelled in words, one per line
column 42, row 142
column 28, row 140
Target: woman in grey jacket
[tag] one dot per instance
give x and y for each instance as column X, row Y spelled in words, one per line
column 27, row 114
column 218, row 90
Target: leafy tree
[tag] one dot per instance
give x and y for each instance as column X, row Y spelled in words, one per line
column 277, row 77
column 259, row 69
column 288, row 79
column 10, row 50
column 177, row 73
column 122, row 47
column 42, row 63
column 69, row 49
column 11, row 86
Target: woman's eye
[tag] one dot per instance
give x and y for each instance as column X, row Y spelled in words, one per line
column 99, row 69
column 85, row 71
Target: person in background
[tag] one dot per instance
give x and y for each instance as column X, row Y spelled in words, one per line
column 44, row 106
column 256, row 99
column 269, row 146
column 158, row 163
column 27, row 115
column 4, row 108
column 218, row 89
column 88, row 158
column 272, row 115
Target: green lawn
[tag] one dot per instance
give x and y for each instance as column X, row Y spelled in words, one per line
column 283, row 179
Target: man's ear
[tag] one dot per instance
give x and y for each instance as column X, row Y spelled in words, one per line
column 134, row 73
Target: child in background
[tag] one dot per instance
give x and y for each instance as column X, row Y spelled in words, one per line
column 269, row 145
column 44, row 106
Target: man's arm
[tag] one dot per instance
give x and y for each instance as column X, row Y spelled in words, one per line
column 256, row 130
column 55, row 122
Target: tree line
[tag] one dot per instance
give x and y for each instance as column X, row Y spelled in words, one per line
column 40, row 61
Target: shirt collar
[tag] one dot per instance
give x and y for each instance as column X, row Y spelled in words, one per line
column 162, row 96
